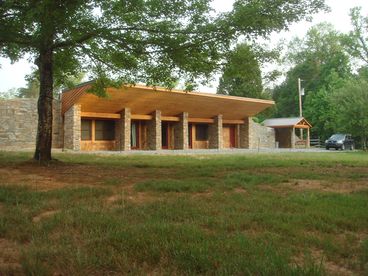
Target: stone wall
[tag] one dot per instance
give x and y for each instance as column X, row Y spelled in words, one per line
column 154, row 131
column 261, row 136
column 123, row 130
column 72, row 128
column 181, row 132
column 215, row 134
column 18, row 124
column 243, row 134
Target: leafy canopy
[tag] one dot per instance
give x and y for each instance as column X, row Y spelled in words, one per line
column 350, row 102
column 148, row 41
column 241, row 74
column 357, row 40
column 315, row 57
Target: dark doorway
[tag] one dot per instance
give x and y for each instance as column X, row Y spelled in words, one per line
column 165, row 135
column 135, row 135
column 190, row 136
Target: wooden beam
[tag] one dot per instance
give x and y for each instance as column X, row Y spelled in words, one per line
column 170, row 118
column 141, row 117
column 200, row 120
column 302, row 126
column 233, row 122
column 100, row 115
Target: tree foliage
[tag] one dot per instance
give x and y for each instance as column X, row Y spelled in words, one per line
column 350, row 102
column 32, row 88
column 149, row 41
column 357, row 40
column 320, row 110
column 319, row 60
column 242, row 74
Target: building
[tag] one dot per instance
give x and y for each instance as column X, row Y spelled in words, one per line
column 139, row 118
column 285, row 131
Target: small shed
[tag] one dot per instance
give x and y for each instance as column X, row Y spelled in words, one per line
column 285, row 133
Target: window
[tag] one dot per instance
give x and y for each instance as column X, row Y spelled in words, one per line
column 201, row 132
column 104, row 130
column 86, row 130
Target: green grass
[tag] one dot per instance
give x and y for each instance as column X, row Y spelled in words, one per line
column 186, row 215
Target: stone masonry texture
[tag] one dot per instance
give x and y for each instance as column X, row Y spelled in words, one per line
column 72, row 128
column 253, row 135
column 123, row 130
column 18, row 124
column 154, row 131
column 215, row 137
column 181, row 132
column 244, row 134
column 261, row 136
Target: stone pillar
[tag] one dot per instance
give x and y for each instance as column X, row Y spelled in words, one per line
column 215, row 135
column 123, row 127
column 181, row 132
column 72, row 128
column 154, row 131
column 244, row 134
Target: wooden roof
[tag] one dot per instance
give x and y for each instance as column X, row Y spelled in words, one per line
column 297, row 122
column 144, row 100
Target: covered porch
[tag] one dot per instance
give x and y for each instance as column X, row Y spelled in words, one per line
column 290, row 132
column 143, row 118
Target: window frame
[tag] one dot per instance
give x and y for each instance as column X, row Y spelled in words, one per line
column 204, row 130
column 90, row 129
column 105, row 131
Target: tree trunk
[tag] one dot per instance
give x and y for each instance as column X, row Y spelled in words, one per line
column 44, row 130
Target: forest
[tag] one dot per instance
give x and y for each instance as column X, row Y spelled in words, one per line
column 332, row 66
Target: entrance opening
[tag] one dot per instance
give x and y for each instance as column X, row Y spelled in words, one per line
column 232, row 137
column 135, row 135
column 190, row 135
column 165, row 135
column 229, row 136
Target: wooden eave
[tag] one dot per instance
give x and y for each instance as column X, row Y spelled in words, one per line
column 144, row 100
column 303, row 123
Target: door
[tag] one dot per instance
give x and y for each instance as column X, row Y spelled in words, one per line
column 229, row 136
column 232, row 137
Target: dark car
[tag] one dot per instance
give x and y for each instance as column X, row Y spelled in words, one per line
column 340, row 141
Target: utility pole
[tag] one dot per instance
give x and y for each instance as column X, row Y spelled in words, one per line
column 300, row 104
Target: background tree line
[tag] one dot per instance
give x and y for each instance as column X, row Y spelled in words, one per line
column 156, row 42
column 334, row 70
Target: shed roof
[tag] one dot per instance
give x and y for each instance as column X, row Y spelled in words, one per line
column 144, row 100
column 286, row 122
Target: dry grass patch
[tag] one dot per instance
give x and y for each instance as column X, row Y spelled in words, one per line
column 44, row 215
column 9, row 258
column 332, row 268
column 325, row 186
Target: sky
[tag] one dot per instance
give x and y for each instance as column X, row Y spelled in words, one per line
column 12, row 75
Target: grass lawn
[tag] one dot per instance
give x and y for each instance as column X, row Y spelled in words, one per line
column 262, row 214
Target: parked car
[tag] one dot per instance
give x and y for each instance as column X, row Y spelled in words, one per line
column 340, row 141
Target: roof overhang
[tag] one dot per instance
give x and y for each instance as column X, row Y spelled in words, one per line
column 145, row 100
column 287, row 123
